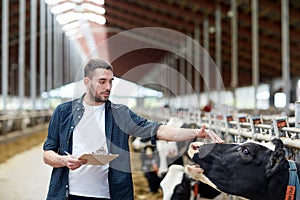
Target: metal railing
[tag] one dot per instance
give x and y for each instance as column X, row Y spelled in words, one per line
column 16, row 124
column 241, row 127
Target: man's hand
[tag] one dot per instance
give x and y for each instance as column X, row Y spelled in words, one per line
column 203, row 133
column 73, row 163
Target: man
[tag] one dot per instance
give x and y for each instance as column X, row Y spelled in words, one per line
column 92, row 122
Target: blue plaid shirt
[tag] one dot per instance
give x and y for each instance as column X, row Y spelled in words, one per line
column 120, row 122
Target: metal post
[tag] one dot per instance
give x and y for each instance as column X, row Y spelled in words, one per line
column 21, row 62
column 55, row 54
column 218, row 51
column 255, row 51
column 169, row 77
column 163, row 75
column 234, row 49
column 189, row 65
column 66, row 59
column 197, row 61
column 206, row 55
column 33, row 23
column 42, row 46
column 182, row 72
column 174, row 76
column 5, row 28
column 49, row 49
column 60, row 56
column 285, row 51
column 72, row 61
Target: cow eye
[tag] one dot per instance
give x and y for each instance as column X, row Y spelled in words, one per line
column 246, row 151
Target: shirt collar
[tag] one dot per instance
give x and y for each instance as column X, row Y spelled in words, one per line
column 78, row 104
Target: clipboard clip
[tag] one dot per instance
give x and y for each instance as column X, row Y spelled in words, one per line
column 100, row 151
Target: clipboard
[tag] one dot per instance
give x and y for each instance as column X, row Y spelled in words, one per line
column 98, row 159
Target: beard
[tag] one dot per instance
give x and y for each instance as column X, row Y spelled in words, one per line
column 100, row 99
column 96, row 97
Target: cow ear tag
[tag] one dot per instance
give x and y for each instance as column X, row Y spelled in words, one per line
column 293, row 185
column 290, row 192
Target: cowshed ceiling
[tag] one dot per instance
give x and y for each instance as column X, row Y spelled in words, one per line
column 182, row 17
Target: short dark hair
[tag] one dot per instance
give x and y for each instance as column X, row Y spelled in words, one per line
column 93, row 64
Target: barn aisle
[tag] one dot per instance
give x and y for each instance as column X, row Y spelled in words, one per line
column 24, row 176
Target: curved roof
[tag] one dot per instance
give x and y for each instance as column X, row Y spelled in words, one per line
column 141, row 46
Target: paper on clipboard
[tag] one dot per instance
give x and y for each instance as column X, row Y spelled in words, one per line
column 96, row 159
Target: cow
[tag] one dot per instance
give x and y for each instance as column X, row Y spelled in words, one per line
column 138, row 144
column 150, row 163
column 249, row 170
column 179, row 185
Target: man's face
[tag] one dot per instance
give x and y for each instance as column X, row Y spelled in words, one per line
column 99, row 86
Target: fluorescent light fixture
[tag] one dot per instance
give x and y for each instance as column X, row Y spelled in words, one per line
column 77, row 1
column 96, row 9
column 95, row 18
column 70, row 26
column 212, row 29
column 280, row 100
column 75, row 37
column 60, row 8
column 263, row 95
column 52, row 2
column 99, row 2
column 71, row 32
column 71, row 16
column 68, row 17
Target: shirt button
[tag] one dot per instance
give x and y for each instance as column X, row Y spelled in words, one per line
column 79, row 116
column 72, row 127
column 78, row 108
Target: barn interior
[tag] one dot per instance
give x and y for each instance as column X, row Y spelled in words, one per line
column 171, row 58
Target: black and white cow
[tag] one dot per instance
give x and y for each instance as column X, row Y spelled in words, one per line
column 178, row 185
column 250, row 170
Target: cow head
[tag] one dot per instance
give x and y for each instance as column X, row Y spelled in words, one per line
column 247, row 169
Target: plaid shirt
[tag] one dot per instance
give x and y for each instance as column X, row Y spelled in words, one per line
column 120, row 122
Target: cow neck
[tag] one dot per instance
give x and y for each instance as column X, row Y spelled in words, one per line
column 293, row 187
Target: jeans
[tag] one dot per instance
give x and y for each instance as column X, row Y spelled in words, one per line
column 75, row 197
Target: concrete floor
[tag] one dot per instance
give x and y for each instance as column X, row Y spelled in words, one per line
column 25, row 176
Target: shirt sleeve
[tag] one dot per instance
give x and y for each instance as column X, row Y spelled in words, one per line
column 135, row 125
column 143, row 126
column 52, row 141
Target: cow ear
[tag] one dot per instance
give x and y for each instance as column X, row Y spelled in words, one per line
column 278, row 143
column 274, row 162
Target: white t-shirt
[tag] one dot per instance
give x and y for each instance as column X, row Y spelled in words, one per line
column 88, row 136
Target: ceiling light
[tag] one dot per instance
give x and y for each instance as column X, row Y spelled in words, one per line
column 95, row 18
column 96, row 9
column 99, row 2
column 70, row 26
column 60, row 8
column 77, row 1
column 53, row 2
column 68, row 17
column 71, row 32
column 230, row 13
